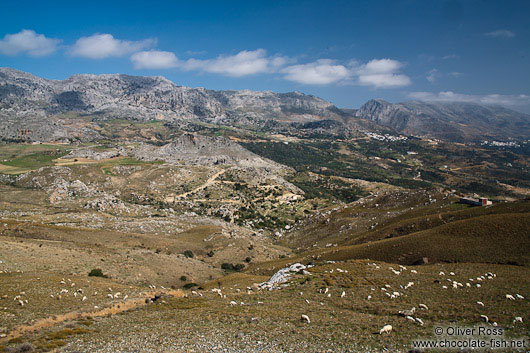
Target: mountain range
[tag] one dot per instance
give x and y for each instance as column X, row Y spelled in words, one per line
column 35, row 108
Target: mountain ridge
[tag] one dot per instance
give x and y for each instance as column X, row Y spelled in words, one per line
column 35, row 107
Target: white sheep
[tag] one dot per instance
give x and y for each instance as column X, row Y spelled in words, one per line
column 84, row 298
column 386, row 329
column 410, row 318
column 232, row 303
column 519, row 296
column 413, row 271
column 518, row 319
column 485, row 318
column 510, row 297
column 423, row 306
column 305, row 318
column 420, row 321
column 343, row 294
column 480, row 303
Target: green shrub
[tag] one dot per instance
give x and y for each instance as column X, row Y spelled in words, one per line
column 189, row 254
column 227, row 266
column 97, row 272
column 183, row 278
column 190, row 285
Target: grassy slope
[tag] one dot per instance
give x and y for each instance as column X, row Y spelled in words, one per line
column 500, row 238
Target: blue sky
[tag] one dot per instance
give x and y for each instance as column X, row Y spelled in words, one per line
column 344, row 51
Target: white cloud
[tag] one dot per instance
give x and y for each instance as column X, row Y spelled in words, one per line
column 154, row 59
column 27, row 41
column 449, row 96
column 382, row 73
column 99, row 46
column 451, row 56
column 241, row 64
column 320, row 72
column 500, row 33
column 432, row 75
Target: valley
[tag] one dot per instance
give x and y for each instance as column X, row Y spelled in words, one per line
column 152, row 218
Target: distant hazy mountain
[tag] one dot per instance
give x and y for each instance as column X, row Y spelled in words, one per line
column 454, row 121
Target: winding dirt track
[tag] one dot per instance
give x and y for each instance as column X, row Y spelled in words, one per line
column 206, row 184
column 74, row 315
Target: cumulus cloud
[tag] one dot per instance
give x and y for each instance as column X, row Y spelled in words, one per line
column 382, row 73
column 241, row 64
column 320, row 72
column 449, row 96
column 500, row 33
column 154, row 59
column 99, row 46
column 29, row 42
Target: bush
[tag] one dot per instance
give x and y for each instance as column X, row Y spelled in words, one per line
column 210, row 253
column 227, row 266
column 97, row 272
column 248, row 259
column 190, row 285
column 230, row 267
column 189, row 254
column 183, row 278
column 24, row 347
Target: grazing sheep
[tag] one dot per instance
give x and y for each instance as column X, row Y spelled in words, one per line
column 407, row 312
column 510, row 297
column 369, row 297
column 451, row 273
column 84, row 298
column 307, row 301
column 232, row 303
column 485, row 318
column 420, row 321
column 410, row 318
column 343, row 294
column 518, row 319
column 21, row 303
column 386, row 329
column 410, row 284
column 305, row 318
column 442, row 273
column 478, row 285
column 423, row 306
column 519, row 296
column 110, row 296
column 480, row 303
column 413, row 271
column 126, row 296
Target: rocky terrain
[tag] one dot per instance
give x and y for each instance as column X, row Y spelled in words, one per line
column 138, row 215
column 32, row 107
column 37, row 109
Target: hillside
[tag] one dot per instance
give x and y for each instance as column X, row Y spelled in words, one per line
column 454, row 121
